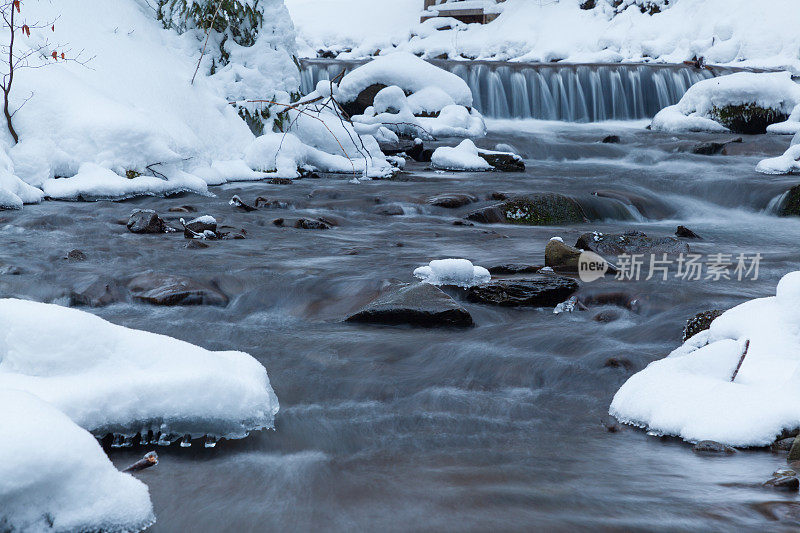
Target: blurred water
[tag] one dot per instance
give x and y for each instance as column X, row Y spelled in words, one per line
column 393, row 429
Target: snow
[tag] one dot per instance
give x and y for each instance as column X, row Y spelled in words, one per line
column 54, row 476
column 787, row 163
column 790, row 126
column 457, row 272
column 111, row 379
column 693, row 111
column 408, row 72
column 689, row 394
column 462, row 157
column 737, row 32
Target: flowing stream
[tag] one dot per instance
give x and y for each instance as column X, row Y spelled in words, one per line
column 548, row 91
column 497, row 427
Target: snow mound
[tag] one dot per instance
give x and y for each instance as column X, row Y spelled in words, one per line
column 790, row 126
column 787, row 163
column 466, row 157
column 690, row 394
column 408, row 72
column 112, row 379
column 420, row 114
column 55, row 476
column 458, row 272
column 693, row 112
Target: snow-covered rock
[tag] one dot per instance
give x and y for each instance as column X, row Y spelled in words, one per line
column 462, row 157
column 696, row 110
column 408, row 72
column 690, row 394
column 457, row 272
column 111, row 379
column 54, row 476
column 787, row 163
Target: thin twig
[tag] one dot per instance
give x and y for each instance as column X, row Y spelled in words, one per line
column 741, row 359
column 205, row 44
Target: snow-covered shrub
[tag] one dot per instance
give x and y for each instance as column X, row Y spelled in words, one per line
column 692, row 394
column 54, row 476
column 745, row 102
column 251, row 49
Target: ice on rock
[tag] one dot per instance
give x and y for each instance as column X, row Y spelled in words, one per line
column 775, row 90
column 112, row 379
column 690, row 394
column 457, row 272
column 54, row 476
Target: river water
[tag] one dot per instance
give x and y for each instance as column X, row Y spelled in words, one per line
column 498, row 427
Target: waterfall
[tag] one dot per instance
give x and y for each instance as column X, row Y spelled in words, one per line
column 554, row 91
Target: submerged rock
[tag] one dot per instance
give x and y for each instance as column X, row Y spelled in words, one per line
column 699, row 322
column 710, row 446
column 747, row 118
column 542, row 209
column 168, row 289
column 146, row 221
column 452, row 200
column 309, row 223
column 514, row 268
column 542, row 290
column 76, row 255
column 199, row 226
column 279, row 181
column 786, row 483
column 237, row 202
column 420, row 304
column 713, row 148
column 611, row 139
column 98, row 293
column 631, row 242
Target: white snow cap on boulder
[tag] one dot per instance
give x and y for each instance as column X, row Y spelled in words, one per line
column 689, row 393
column 787, row 163
column 774, row 90
column 458, row 272
column 112, row 379
column 407, row 71
column 54, row 476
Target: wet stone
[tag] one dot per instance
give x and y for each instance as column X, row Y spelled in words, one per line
column 76, row 255
column 168, row 289
column 452, row 201
column 146, row 221
column 710, row 446
column 538, row 291
column 420, row 304
column 98, row 293
column 784, row 483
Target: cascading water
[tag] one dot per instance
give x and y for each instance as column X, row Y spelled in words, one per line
column 568, row 92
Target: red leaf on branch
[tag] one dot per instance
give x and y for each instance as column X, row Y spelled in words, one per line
column 17, row 5
column 55, row 55
column 26, row 30
column 63, row 56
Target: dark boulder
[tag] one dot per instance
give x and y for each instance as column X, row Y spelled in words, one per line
column 146, row 221
column 611, row 139
column 420, row 304
column 504, row 162
column 604, row 317
column 237, row 202
column 713, row 148
column 710, row 446
column 364, row 100
column 784, row 483
column 561, row 257
column 631, row 242
column 685, row 233
column 279, row 181
column 452, row 200
column 541, row 290
column 98, row 293
column 389, row 210
column 749, row 119
column 76, row 256
column 699, row 322
column 310, row 223
column 514, row 268
column 540, row 209
column 782, row 445
column 419, row 153
column 168, row 289
column 794, row 452
column 790, row 203
column 199, row 226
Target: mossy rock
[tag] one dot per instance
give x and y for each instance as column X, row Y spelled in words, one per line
column 749, row 119
column 546, row 209
column 790, row 205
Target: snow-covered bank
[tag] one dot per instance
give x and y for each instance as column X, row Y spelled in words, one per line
column 741, row 32
column 691, row 393
column 54, row 476
column 111, row 379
